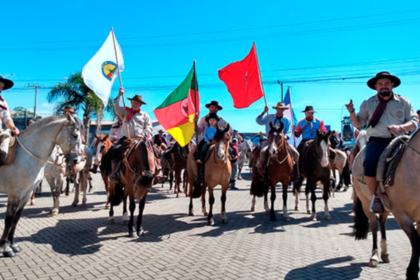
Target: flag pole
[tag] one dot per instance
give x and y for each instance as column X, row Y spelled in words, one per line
column 291, row 117
column 261, row 81
column 121, row 84
column 195, row 108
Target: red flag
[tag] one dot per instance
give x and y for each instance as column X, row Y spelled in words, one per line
column 242, row 79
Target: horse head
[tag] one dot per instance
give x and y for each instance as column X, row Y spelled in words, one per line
column 100, row 145
column 221, row 140
column 69, row 139
column 322, row 147
column 275, row 138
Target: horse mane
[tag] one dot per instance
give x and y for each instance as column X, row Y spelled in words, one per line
column 219, row 135
column 37, row 125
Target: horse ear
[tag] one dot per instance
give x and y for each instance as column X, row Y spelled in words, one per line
column 281, row 127
column 227, row 128
column 70, row 118
column 217, row 126
column 329, row 134
column 96, row 136
column 317, row 132
column 106, row 136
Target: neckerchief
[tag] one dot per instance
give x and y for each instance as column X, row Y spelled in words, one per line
column 312, row 125
column 278, row 118
column 132, row 112
column 380, row 109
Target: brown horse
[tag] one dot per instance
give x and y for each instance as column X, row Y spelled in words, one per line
column 280, row 168
column 181, row 158
column 218, row 170
column 102, row 145
column 402, row 200
column 314, row 166
column 137, row 174
column 194, row 187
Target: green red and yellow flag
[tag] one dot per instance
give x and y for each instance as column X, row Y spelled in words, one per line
column 176, row 113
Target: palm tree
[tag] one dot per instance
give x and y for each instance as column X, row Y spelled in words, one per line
column 75, row 93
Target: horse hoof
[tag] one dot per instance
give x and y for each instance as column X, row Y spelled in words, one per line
column 296, row 208
column 9, row 254
column 32, row 203
column 373, row 263
column 106, row 207
column 252, row 209
column 211, row 222
column 313, row 219
column 131, row 234
column 54, row 212
column 327, row 217
column 309, row 212
column 74, row 204
column 385, row 258
column 15, row 248
column 191, row 214
column 110, row 221
column 224, row 221
column 273, row 218
column 286, row 219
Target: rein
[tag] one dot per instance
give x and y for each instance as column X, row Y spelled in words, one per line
column 35, row 157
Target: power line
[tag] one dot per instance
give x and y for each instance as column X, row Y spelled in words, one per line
column 212, row 41
column 222, row 31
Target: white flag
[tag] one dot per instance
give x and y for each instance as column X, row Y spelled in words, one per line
column 100, row 72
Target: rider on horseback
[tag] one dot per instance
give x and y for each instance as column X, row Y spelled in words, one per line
column 386, row 114
column 213, row 107
column 5, row 117
column 139, row 126
column 275, row 119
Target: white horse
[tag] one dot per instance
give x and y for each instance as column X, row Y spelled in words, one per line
column 246, row 148
column 19, row 179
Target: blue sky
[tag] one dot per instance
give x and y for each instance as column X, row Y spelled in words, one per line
column 44, row 41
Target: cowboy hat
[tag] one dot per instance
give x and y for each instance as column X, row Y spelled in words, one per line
column 372, row 82
column 137, row 98
column 7, row 83
column 69, row 109
column 280, row 105
column 212, row 116
column 308, row 109
column 215, row 103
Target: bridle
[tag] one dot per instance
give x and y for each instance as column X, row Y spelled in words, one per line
column 278, row 153
column 55, row 141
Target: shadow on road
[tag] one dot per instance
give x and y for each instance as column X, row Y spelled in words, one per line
column 322, row 271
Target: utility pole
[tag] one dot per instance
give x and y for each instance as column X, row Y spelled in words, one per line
column 36, row 96
column 281, row 84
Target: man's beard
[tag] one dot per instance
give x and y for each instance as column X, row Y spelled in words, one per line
column 385, row 92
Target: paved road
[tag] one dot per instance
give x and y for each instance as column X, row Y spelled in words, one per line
column 79, row 244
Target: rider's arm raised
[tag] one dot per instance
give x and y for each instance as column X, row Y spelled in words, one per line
column 117, row 107
column 361, row 118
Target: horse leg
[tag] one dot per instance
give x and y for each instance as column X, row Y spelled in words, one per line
column 90, row 183
column 384, row 247
column 296, row 189
column 33, row 197
column 267, row 209
column 223, row 200
column 310, row 186
column 171, row 178
column 307, row 198
column 67, row 190
column 185, row 182
column 325, row 196
column 139, row 228
column 131, row 221
column 273, row 217
column 83, row 180
column 76, row 193
column 253, row 203
column 111, row 215
column 407, row 226
column 240, row 171
column 210, row 219
column 177, row 182
column 106, row 184
column 13, row 245
column 285, row 185
column 125, row 217
column 54, row 188
column 203, row 200
column 12, row 209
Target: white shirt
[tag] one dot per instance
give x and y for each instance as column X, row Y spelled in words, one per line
column 5, row 116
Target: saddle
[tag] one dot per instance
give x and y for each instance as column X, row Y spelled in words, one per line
column 387, row 164
column 8, row 145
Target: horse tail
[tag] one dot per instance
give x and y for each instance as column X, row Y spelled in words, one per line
column 361, row 221
column 257, row 188
column 118, row 194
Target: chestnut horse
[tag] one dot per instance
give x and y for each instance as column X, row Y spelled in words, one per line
column 314, row 166
column 137, row 174
column 102, row 145
column 280, row 168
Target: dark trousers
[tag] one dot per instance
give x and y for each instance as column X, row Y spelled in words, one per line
column 374, row 149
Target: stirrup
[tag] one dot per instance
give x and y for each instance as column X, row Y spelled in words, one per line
column 376, row 205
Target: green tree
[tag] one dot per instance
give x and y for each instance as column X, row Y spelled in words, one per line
column 21, row 112
column 75, row 93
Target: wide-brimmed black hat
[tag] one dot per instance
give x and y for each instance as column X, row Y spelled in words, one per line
column 215, row 103
column 309, row 109
column 212, row 116
column 137, row 98
column 7, row 83
column 372, row 82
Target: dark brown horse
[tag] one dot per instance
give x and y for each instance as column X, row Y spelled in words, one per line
column 280, row 167
column 137, row 174
column 180, row 164
column 315, row 167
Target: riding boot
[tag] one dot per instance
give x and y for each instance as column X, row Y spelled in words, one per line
column 200, row 173
column 115, row 175
column 377, row 205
